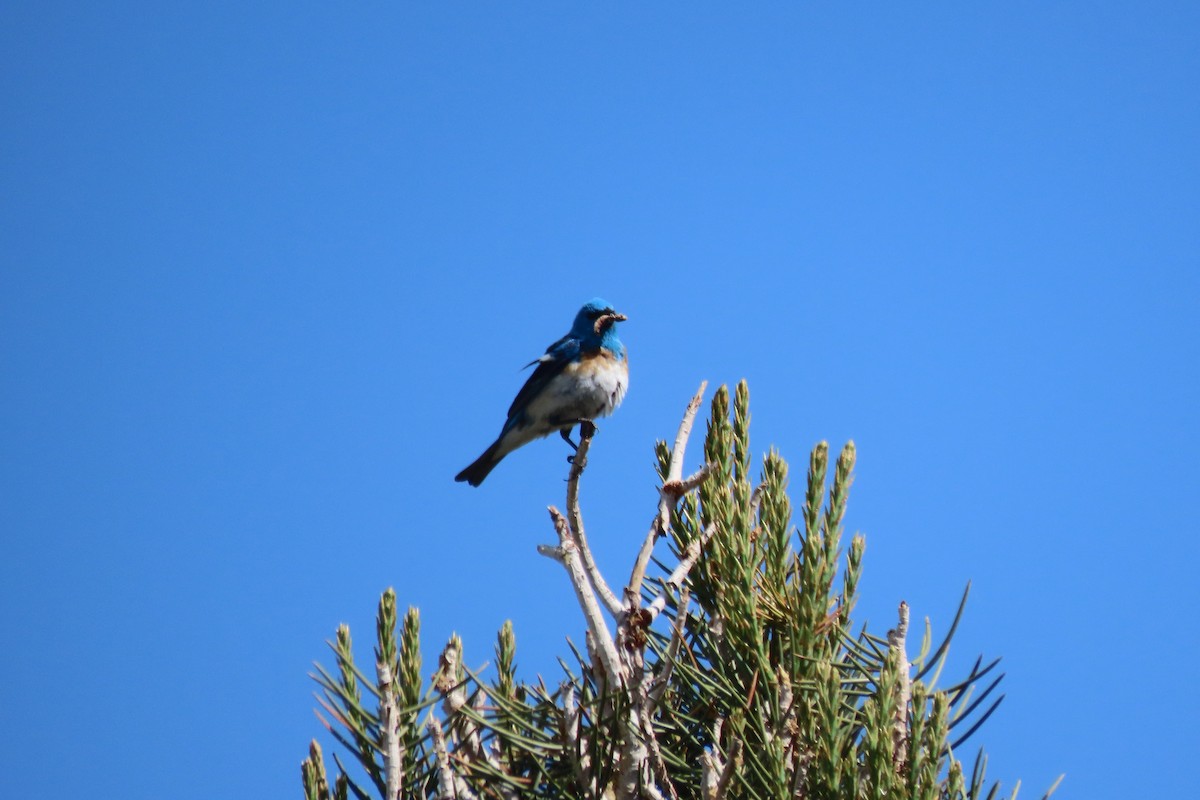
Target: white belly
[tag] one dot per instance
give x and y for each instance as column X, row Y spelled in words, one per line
column 587, row 389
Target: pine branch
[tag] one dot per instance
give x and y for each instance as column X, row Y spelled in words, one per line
column 754, row 686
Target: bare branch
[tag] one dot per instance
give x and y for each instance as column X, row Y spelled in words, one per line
column 448, row 676
column 681, row 487
column 578, row 464
column 607, row 597
column 633, row 764
column 552, row 552
column 567, row 553
column 656, row 758
column 658, row 686
column 732, row 762
column 896, row 641
column 672, row 489
column 586, row 431
column 599, row 673
column 716, row 773
column 633, row 591
column 463, row 728
column 389, row 729
column 475, row 740
column 620, row 661
column 574, row 743
column 451, row 786
column 800, row 775
column 676, row 579
column 685, row 430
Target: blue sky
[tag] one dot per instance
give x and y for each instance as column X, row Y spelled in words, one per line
column 269, row 274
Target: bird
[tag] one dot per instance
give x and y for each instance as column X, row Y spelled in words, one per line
column 581, row 377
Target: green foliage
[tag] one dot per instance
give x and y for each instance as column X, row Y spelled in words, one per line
column 754, row 685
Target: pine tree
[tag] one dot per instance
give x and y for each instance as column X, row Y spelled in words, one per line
column 736, row 673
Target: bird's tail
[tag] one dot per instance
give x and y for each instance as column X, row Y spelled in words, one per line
column 480, row 468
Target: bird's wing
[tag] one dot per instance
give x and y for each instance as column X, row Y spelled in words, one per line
column 555, row 359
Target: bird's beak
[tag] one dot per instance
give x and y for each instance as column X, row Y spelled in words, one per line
column 605, row 320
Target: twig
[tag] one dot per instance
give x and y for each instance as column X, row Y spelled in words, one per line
column 638, row 758
column 447, row 680
column 672, row 489
column 451, row 786
column 685, row 430
column 633, row 764
column 463, row 728
column 658, row 686
column 896, row 641
column 656, row 757
column 800, row 775
column 607, row 596
column 731, row 763
column 716, row 772
column 488, row 754
column 676, row 579
column 618, row 663
column 599, row 674
column 389, row 723
column 567, row 554
column 681, row 487
column 576, row 747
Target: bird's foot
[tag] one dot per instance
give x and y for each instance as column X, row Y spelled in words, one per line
column 587, row 429
column 565, row 433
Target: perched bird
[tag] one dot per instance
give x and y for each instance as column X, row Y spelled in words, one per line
column 582, row 376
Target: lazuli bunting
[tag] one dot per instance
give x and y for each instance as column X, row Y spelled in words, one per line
column 582, row 376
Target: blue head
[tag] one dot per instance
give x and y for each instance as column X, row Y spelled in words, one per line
column 596, row 326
